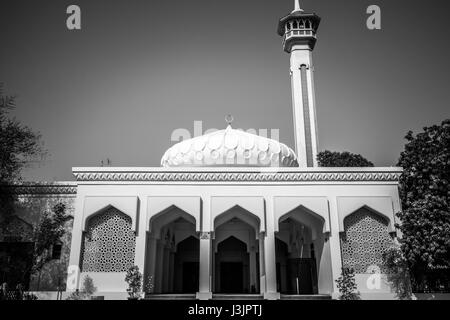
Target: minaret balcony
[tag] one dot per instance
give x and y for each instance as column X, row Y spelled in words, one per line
column 304, row 36
column 299, row 33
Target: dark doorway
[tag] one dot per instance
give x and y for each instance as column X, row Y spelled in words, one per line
column 232, row 267
column 187, row 267
column 302, row 275
column 231, row 277
column 190, row 277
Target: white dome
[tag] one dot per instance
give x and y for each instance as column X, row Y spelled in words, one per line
column 229, row 148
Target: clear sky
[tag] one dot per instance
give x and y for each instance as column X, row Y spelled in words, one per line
column 140, row 69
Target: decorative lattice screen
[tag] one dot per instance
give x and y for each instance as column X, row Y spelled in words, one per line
column 365, row 239
column 109, row 243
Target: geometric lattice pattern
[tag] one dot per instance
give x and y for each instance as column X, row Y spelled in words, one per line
column 109, row 243
column 365, row 239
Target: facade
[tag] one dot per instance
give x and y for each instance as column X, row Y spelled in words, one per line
column 234, row 213
column 233, row 230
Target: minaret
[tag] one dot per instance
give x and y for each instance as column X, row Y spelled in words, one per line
column 298, row 30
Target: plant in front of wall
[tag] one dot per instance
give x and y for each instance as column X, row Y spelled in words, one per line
column 347, row 285
column 86, row 293
column 398, row 272
column 134, row 280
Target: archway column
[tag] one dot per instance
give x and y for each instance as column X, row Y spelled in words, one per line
column 262, row 269
column 205, row 267
column 253, row 271
column 172, row 271
column 160, row 267
column 335, row 245
column 151, row 251
column 270, row 256
column 166, row 269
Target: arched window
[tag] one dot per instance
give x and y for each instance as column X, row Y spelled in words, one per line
column 109, row 243
column 308, row 24
column 295, row 24
column 365, row 239
column 302, row 24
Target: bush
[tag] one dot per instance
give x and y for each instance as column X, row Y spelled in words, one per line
column 398, row 272
column 134, row 280
column 29, row 296
column 88, row 290
column 347, row 285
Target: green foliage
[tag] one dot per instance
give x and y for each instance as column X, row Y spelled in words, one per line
column 342, row 159
column 19, row 147
column 134, row 280
column 426, row 164
column 29, row 296
column 347, row 285
column 398, row 272
column 88, row 285
column 425, row 195
column 18, row 144
column 49, row 231
column 426, row 234
column 87, row 291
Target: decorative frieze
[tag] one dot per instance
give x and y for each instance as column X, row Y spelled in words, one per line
column 192, row 176
column 40, row 188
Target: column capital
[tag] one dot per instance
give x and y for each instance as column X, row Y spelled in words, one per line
column 205, row 235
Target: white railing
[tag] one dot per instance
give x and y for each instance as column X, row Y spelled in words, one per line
column 298, row 33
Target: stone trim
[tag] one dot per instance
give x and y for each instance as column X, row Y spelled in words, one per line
column 40, row 188
column 354, row 176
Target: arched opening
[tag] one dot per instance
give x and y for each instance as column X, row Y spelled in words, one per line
column 108, row 243
column 308, row 24
column 365, row 239
column 302, row 24
column 172, row 260
column 299, row 247
column 236, row 253
column 232, row 265
column 187, row 266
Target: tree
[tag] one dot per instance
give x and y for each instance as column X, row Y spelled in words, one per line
column 19, row 146
column 342, row 159
column 425, row 193
column 47, row 233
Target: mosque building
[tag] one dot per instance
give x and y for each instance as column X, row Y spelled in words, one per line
column 231, row 213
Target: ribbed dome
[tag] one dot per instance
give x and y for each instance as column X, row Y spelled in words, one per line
column 229, row 148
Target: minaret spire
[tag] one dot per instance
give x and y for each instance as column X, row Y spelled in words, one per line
column 297, row 6
column 298, row 30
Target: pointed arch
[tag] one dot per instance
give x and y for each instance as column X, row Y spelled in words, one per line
column 167, row 216
column 239, row 213
column 252, row 209
column 94, row 205
column 314, row 206
column 381, row 206
column 192, row 206
column 306, row 217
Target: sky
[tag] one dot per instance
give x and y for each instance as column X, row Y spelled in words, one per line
column 140, row 69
